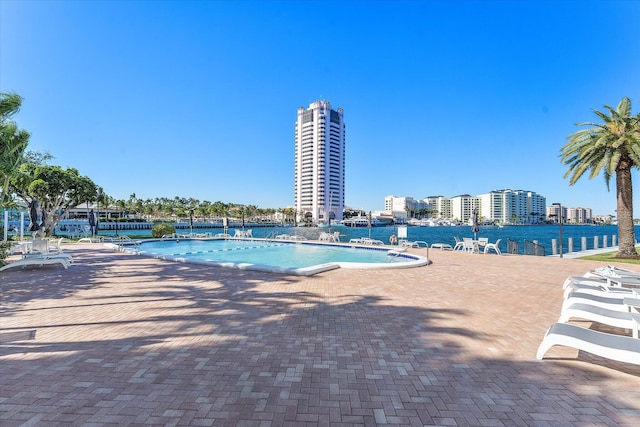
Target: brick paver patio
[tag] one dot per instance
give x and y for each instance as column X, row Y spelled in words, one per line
column 119, row 340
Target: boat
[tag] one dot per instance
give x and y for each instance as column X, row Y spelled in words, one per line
column 361, row 221
column 385, row 219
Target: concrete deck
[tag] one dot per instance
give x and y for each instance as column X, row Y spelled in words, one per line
column 119, row 339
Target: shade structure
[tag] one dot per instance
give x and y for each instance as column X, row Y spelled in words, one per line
column 33, row 216
column 44, row 217
column 92, row 222
column 474, row 223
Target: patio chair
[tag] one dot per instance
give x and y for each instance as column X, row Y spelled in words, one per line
column 603, row 290
column 626, row 281
column 36, row 261
column 55, row 246
column 40, row 246
column 482, row 243
column 613, row 271
column 614, row 347
column 618, row 319
column 468, row 244
column 459, row 246
column 493, row 246
column 609, row 300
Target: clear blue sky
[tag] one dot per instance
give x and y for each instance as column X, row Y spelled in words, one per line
column 199, row 98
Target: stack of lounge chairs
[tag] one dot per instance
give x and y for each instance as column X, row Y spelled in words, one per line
column 610, row 296
column 41, row 252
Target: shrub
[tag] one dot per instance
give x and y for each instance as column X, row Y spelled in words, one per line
column 160, row 230
column 4, row 250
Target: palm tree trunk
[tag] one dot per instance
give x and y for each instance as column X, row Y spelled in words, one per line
column 626, row 232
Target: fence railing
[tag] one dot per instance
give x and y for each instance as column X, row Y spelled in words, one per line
column 533, row 248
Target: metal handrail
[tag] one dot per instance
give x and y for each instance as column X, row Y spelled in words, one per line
column 534, row 248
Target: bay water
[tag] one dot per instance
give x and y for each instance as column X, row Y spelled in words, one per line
column 542, row 234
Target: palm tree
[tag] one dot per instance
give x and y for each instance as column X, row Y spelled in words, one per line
column 13, row 141
column 609, row 147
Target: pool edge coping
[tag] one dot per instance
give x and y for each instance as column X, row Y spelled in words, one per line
column 418, row 260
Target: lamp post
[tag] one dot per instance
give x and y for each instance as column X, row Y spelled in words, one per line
column 560, row 225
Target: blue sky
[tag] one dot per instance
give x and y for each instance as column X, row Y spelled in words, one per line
column 199, row 98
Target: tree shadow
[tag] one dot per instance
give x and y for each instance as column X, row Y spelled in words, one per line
column 196, row 346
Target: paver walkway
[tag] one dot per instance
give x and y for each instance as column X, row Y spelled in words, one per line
column 119, row 339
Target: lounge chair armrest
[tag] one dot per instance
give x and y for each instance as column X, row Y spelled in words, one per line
column 632, row 302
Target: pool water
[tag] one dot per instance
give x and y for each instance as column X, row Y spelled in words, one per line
column 297, row 258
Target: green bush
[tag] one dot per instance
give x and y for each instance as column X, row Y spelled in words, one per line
column 160, row 230
column 4, row 250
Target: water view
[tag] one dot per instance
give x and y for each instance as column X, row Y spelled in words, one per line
column 543, row 234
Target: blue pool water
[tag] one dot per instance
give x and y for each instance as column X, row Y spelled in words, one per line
column 541, row 233
column 297, row 258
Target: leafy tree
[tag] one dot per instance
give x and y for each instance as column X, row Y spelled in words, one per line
column 55, row 189
column 160, row 230
column 13, row 142
column 611, row 147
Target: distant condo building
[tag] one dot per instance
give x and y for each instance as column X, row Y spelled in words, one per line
column 513, row 207
column 569, row 215
column 320, row 163
column 498, row 206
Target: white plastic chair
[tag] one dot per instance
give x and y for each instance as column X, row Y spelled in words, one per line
column 468, row 244
column 459, row 246
column 495, row 246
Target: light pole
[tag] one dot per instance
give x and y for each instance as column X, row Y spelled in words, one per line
column 560, row 225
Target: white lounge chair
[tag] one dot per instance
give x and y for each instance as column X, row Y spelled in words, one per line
column 493, row 246
column 610, row 301
column 618, row 319
column 603, row 281
column 36, row 261
column 408, row 244
column 614, row 347
column 596, row 289
column 442, row 246
column 612, row 271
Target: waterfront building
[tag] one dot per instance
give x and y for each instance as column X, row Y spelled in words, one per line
column 579, row 215
column 403, row 207
column 462, row 207
column 319, row 163
column 439, row 206
column 512, row 207
column 555, row 212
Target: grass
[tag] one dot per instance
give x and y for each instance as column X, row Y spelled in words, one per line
column 610, row 257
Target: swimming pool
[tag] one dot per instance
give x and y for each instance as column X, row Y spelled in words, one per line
column 300, row 258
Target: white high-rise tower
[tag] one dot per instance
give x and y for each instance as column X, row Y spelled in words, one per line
column 319, row 176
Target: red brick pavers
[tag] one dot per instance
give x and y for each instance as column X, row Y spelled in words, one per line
column 119, row 339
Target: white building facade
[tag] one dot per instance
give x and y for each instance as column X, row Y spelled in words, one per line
column 556, row 213
column 403, row 207
column 462, row 207
column 498, row 206
column 320, row 163
column 579, row 215
column 512, row 207
column 439, row 206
